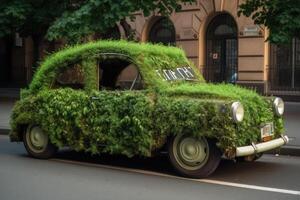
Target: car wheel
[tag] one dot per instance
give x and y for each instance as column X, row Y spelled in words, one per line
column 193, row 157
column 37, row 143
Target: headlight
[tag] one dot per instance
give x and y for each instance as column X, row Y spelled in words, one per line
column 278, row 106
column 237, row 111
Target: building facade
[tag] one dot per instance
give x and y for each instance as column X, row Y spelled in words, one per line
column 223, row 46
column 227, row 48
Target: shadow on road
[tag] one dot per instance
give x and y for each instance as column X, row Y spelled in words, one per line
column 156, row 164
column 227, row 169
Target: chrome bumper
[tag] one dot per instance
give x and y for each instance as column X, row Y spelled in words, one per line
column 261, row 147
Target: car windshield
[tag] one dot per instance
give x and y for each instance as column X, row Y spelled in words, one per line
column 178, row 74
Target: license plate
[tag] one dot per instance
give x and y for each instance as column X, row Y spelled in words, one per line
column 267, row 130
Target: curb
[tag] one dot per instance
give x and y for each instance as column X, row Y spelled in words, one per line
column 5, row 98
column 288, row 150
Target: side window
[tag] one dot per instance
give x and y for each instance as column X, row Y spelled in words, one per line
column 116, row 74
column 129, row 79
column 71, row 77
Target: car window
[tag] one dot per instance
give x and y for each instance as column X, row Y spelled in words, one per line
column 71, row 77
column 116, row 74
column 129, row 79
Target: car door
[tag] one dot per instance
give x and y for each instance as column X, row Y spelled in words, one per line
column 122, row 109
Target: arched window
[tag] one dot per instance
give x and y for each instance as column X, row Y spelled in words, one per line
column 163, row 31
column 221, row 49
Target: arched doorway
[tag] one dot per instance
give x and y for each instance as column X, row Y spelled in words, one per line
column 221, row 49
column 162, row 31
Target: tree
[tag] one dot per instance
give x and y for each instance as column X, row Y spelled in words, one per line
column 282, row 17
column 74, row 19
column 30, row 18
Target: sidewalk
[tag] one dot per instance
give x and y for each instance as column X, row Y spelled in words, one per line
column 8, row 96
column 5, row 110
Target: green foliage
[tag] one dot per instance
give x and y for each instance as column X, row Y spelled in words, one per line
column 110, row 122
column 12, row 15
column 91, row 82
column 74, row 19
column 137, row 122
column 130, row 123
column 258, row 111
column 98, row 15
column 281, row 17
column 29, row 17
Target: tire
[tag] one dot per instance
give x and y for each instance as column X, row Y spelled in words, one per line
column 251, row 158
column 193, row 157
column 37, row 143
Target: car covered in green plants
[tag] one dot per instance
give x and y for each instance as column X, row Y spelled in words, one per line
column 133, row 99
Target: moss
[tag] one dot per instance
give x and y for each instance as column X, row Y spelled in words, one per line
column 148, row 56
column 211, row 103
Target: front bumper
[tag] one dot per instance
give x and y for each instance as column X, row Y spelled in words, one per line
column 261, row 147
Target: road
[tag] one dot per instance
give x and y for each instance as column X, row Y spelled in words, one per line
column 80, row 176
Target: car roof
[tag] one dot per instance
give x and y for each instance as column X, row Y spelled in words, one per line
column 148, row 57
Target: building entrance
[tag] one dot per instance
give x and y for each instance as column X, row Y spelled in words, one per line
column 221, row 50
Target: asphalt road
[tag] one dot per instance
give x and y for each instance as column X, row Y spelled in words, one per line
column 80, row 176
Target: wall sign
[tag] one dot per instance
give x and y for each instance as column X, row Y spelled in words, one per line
column 251, row 31
column 215, row 56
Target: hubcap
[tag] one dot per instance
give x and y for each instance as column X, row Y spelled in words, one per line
column 37, row 140
column 190, row 153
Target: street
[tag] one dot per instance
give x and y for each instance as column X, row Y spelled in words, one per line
column 73, row 176
column 123, row 100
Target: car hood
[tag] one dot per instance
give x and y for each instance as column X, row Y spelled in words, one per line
column 212, row 91
column 258, row 109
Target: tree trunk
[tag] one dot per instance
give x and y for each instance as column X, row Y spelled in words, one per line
column 37, row 39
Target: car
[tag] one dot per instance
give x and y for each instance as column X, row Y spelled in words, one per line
column 119, row 97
